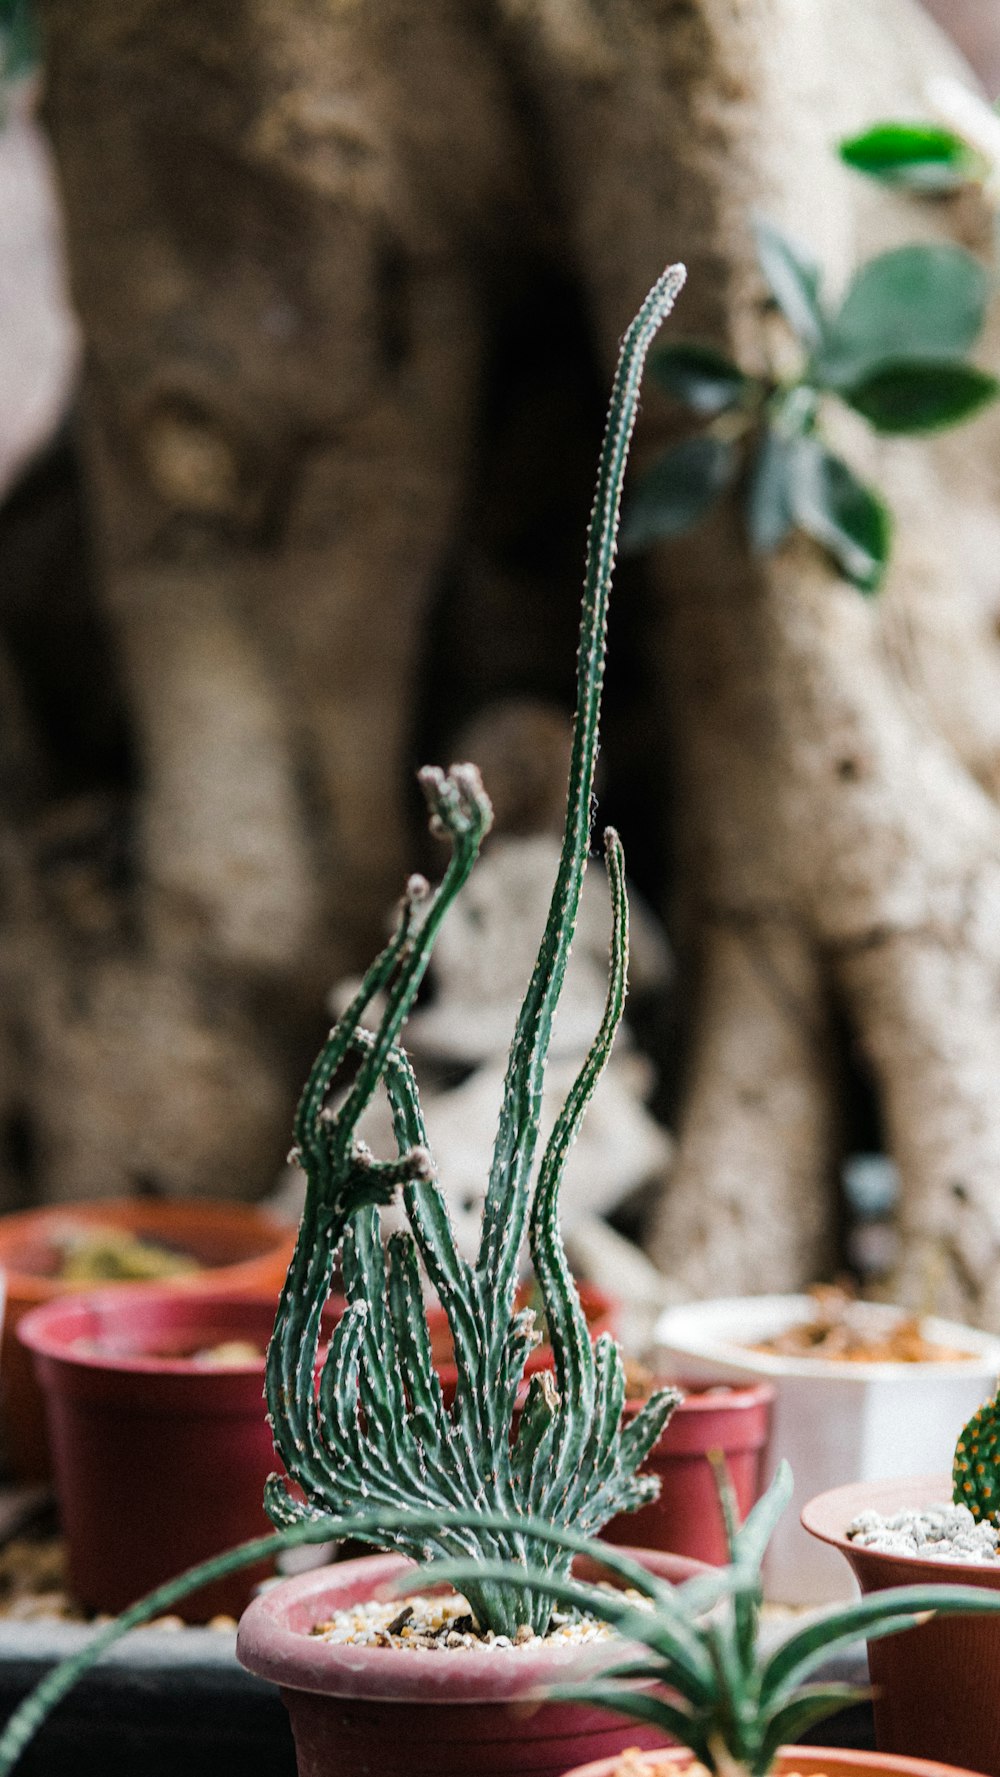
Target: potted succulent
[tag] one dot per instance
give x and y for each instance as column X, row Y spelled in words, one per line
column 695, row 1666
column 936, row 1688
column 881, row 1397
column 59, row 1250
column 154, row 1398
column 373, row 1449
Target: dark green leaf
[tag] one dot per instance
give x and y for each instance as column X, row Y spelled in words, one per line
column 832, row 506
column 793, row 278
column 814, row 1704
column 704, row 379
column 921, row 397
column 678, row 489
column 921, row 156
column 758, row 1525
column 769, row 511
column 913, row 302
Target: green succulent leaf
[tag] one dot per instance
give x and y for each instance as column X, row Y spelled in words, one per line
column 921, row 397
column 793, row 277
column 704, row 379
column 769, row 508
column 678, row 489
column 813, row 1704
column 915, row 302
column 839, row 512
column 921, row 156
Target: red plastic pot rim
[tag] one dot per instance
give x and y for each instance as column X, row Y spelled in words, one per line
column 810, row 1761
column 274, row 1642
column 126, row 1318
column 230, row 1240
column 828, row 1514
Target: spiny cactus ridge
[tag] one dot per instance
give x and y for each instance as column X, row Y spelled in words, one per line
column 976, row 1471
column 375, row 1434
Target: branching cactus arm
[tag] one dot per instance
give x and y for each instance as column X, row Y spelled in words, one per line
column 506, row 1209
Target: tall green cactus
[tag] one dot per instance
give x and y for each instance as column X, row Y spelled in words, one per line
column 375, row 1434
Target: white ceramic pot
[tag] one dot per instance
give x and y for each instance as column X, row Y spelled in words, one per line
column 835, row 1422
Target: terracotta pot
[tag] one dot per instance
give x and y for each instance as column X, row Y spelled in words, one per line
column 239, row 1245
column 834, row 1421
column 458, row 1712
column 687, row 1518
column 936, row 1688
column 809, row 1761
column 159, row 1461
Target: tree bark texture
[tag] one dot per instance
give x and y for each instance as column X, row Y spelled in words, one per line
column 291, row 227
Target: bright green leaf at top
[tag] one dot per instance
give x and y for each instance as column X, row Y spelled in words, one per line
column 922, row 156
column 912, row 302
column 921, row 397
column 793, row 278
column 703, row 378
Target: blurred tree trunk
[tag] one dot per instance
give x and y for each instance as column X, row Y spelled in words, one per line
column 287, row 225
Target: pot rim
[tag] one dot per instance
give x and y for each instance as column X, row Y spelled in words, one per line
column 177, row 1218
column 712, row 1397
column 811, row 1761
column 826, row 1516
column 699, row 1340
column 38, row 1329
column 270, row 1648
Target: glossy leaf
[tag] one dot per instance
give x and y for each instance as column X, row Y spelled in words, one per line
column 793, row 277
column 921, row 397
column 915, row 302
column 839, row 512
column 678, row 489
column 921, row 156
column 704, row 379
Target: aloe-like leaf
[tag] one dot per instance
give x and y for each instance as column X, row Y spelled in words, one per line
column 881, row 1613
column 679, row 489
column 839, row 512
column 640, row 1705
column 921, row 397
column 815, row 1704
column 793, row 277
column 758, row 1526
column 922, row 156
column 914, row 302
column 699, row 375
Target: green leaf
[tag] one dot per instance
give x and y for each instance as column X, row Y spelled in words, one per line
column 678, row 489
column 833, row 507
column 793, row 277
column 921, row 156
column 704, row 379
column 915, row 302
column 814, row 1704
column 769, row 511
column 756, row 1530
column 921, row 397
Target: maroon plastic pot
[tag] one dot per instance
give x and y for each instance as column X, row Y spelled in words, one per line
column 935, row 1688
column 395, row 1712
column 687, row 1517
column 159, row 1461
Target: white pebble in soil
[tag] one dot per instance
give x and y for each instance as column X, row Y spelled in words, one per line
column 939, row 1533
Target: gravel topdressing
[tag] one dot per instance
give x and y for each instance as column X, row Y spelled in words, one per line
column 429, row 1623
column 939, row 1533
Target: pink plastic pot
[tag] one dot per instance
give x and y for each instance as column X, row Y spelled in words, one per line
column 160, row 1462
column 935, row 1688
column 792, row 1761
column 687, row 1518
column 395, row 1712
